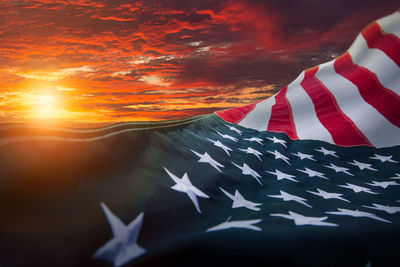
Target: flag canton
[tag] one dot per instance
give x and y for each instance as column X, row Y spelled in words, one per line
column 220, row 179
column 186, row 192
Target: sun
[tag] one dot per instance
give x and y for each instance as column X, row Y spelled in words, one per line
column 45, row 107
column 42, row 106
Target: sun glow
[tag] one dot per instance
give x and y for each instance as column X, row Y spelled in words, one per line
column 50, row 106
column 45, row 107
column 42, row 106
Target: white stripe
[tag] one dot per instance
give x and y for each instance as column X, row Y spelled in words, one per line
column 391, row 24
column 305, row 118
column 258, row 118
column 379, row 131
column 376, row 61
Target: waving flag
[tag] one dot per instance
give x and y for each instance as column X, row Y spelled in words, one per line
column 352, row 100
column 307, row 177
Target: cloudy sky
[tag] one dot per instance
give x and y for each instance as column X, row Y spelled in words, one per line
column 104, row 61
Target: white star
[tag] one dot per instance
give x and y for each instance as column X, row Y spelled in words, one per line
column 362, row 165
column 388, row 209
column 185, row 186
column 327, row 152
column 276, row 140
column 384, row 184
column 205, row 158
column 219, row 144
column 326, row 195
column 250, row 150
column 245, row 224
column 304, row 156
column 312, row 173
column 397, row 177
column 288, row 197
column 234, row 129
column 339, row 169
column 281, row 175
column 254, row 139
column 248, row 171
column 228, row 137
column 239, row 201
column 358, row 189
column 279, row 156
column 303, row 220
column 123, row 247
column 357, row 214
column 384, row 158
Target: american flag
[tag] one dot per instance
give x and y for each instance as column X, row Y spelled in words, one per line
column 351, row 100
column 307, row 177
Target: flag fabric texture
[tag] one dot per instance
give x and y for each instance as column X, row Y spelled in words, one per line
column 308, row 177
column 351, row 100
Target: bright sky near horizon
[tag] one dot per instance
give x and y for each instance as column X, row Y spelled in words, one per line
column 103, row 61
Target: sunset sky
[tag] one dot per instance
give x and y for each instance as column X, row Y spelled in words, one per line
column 104, row 61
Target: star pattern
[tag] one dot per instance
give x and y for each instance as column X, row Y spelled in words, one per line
column 397, row 176
column 226, row 136
column 185, row 186
column 281, row 175
column 239, row 201
column 250, row 150
column 357, row 213
column 304, row 156
column 339, row 169
column 206, row 158
column 123, row 247
column 358, row 189
column 326, row 195
column 255, row 139
column 246, row 170
column 362, row 165
column 384, row 158
column 312, row 173
column 327, row 152
column 288, row 197
column 234, row 129
column 388, row 209
column 384, row 184
column 277, row 141
column 300, row 220
column 221, row 145
column 243, row 224
column 278, row 155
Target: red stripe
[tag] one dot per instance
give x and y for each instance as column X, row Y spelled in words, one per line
column 374, row 93
column 235, row 115
column 386, row 42
column 281, row 116
column 342, row 129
